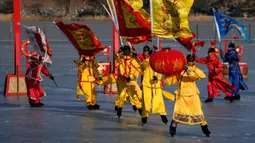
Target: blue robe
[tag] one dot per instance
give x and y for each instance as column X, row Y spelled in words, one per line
column 235, row 76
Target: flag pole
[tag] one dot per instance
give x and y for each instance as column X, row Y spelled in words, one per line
column 111, row 16
column 116, row 21
column 151, row 16
column 111, row 12
column 218, row 34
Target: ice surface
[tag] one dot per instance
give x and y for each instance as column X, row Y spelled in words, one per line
column 66, row 120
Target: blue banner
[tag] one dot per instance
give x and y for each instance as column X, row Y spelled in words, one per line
column 225, row 23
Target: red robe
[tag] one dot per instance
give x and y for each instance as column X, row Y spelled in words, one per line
column 215, row 77
column 33, row 80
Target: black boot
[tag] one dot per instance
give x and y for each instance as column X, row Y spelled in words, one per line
column 229, row 98
column 208, row 100
column 96, row 106
column 116, row 108
column 144, row 120
column 90, row 107
column 164, row 119
column 205, row 130
column 37, row 105
column 119, row 112
column 134, row 108
column 40, row 104
column 172, row 128
column 237, row 97
column 140, row 111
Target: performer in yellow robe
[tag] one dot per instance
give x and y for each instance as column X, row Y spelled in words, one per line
column 188, row 106
column 87, row 76
column 128, row 89
column 152, row 90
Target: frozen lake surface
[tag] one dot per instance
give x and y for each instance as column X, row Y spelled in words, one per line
column 66, row 120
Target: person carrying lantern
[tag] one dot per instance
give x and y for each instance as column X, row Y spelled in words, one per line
column 215, row 77
column 128, row 89
column 188, row 106
column 235, row 76
column 152, row 90
column 87, row 76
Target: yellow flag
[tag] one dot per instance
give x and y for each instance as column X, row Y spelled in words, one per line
column 170, row 17
column 141, row 9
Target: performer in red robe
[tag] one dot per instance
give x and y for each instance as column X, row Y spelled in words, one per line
column 215, row 77
column 33, row 79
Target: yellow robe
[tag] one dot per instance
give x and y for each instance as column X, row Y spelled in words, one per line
column 128, row 66
column 152, row 92
column 87, row 73
column 188, row 106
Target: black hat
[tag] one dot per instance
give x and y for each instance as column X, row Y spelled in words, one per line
column 126, row 47
column 146, row 48
column 210, row 50
column 232, row 45
column 190, row 57
column 83, row 60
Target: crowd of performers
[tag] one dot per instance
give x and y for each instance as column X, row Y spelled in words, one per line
column 148, row 97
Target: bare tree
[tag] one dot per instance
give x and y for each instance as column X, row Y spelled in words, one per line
column 67, row 6
column 6, row 6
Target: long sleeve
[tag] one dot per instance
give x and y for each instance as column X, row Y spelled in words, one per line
column 45, row 71
column 201, row 60
column 172, row 80
column 191, row 76
column 194, row 74
column 231, row 56
column 219, row 67
column 145, row 64
column 95, row 68
column 159, row 76
column 135, row 69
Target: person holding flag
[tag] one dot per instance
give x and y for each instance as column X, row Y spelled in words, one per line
column 87, row 45
column 215, row 77
column 152, row 92
column 225, row 23
column 33, row 79
column 128, row 73
column 38, row 61
column 87, row 76
column 235, row 76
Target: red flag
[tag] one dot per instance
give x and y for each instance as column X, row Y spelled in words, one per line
column 82, row 37
column 137, row 40
column 128, row 24
column 187, row 42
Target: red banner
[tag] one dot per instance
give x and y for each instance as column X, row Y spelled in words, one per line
column 128, row 24
column 189, row 44
column 138, row 39
column 82, row 37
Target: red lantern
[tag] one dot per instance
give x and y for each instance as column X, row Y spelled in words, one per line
column 168, row 62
